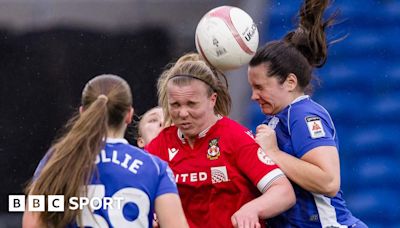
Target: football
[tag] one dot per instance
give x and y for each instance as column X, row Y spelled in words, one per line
column 226, row 37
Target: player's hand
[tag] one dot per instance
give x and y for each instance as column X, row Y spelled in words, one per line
column 245, row 217
column 266, row 138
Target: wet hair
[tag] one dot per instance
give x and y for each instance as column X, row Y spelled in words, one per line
column 195, row 69
column 300, row 50
column 106, row 100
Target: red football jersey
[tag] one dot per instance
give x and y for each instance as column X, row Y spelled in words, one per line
column 225, row 169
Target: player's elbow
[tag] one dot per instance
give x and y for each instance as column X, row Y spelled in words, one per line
column 331, row 189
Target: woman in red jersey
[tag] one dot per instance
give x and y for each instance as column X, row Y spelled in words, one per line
column 224, row 178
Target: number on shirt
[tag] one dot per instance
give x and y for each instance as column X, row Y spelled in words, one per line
column 115, row 214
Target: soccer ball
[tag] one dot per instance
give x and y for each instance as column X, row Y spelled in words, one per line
column 226, row 37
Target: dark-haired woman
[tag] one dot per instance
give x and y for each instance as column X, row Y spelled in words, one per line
column 299, row 134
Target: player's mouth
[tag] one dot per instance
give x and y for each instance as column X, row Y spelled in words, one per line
column 184, row 126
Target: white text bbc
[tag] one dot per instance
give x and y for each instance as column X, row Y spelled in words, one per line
column 56, row 203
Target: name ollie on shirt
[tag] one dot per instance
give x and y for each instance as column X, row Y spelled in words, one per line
column 133, row 165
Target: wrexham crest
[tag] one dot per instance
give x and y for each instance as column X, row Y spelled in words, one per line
column 213, row 149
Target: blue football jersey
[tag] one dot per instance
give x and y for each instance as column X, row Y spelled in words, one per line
column 300, row 127
column 132, row 176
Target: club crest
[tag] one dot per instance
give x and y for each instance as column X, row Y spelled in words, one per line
column 213, row 149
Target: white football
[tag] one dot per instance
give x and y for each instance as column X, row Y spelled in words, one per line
column 227, row 37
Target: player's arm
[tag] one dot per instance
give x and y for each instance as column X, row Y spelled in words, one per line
column 277, row 192
column 32, row 220
column 317, row 171
column 277, row 198
column 169, row 211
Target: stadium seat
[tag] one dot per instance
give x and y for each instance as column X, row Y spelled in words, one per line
column 376, row 139
column 343, row 105
column 371, row 171
column 376, row 206
column 386, row 107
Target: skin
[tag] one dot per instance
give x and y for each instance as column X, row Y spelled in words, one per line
column 318, row 170
column 150, row 126
column 192, row 111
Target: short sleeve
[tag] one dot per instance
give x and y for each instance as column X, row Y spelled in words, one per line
column 167, row 180
column 254, row 162
column 311, row 129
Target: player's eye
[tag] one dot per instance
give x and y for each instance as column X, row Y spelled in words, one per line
column 152, row 120
column 192, row 104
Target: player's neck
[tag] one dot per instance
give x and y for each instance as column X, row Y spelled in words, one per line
column 294, row 96
column 116, row 133
column 212, row 120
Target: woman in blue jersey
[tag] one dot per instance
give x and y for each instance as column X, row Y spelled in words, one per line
column 92, row 159
column 300, row 136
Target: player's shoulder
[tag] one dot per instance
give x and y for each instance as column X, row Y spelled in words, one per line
column 167, row 135
column 168, row 132
column 307, row 108
column 136, row 152
column 232, row 128
column 146, row 157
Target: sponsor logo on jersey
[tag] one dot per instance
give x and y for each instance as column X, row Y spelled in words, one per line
column 263, row 157
column 190, row 177
column 219, row 174
column 172, row 152
column 213, row 149
column 315, row 127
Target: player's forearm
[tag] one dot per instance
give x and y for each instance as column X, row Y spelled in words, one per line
column 277, row 199
column 307, row 175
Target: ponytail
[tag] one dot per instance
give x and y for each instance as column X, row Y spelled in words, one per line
column 71, row 159
column 309, row 38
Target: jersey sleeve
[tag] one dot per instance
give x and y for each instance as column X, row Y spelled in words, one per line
column 253, row 161
column 167, row 182
column 310, row 129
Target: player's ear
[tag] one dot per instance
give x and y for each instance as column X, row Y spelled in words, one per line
column 140, row 142
column 213, row 98
column 290, row 82
column 80, row 109
column 129, row 116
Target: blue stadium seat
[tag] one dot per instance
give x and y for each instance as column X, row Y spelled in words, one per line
column 376, row 139
column 375, row 205
column 343, row 106
column 386, row 107
column 372, row 171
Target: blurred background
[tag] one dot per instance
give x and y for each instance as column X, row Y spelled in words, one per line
column 49, row 49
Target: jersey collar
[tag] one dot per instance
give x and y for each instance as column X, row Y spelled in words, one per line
column 268, row 118
column 302, row 97
column 116, row 140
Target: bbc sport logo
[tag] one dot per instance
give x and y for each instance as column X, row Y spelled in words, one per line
column 56, row 203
